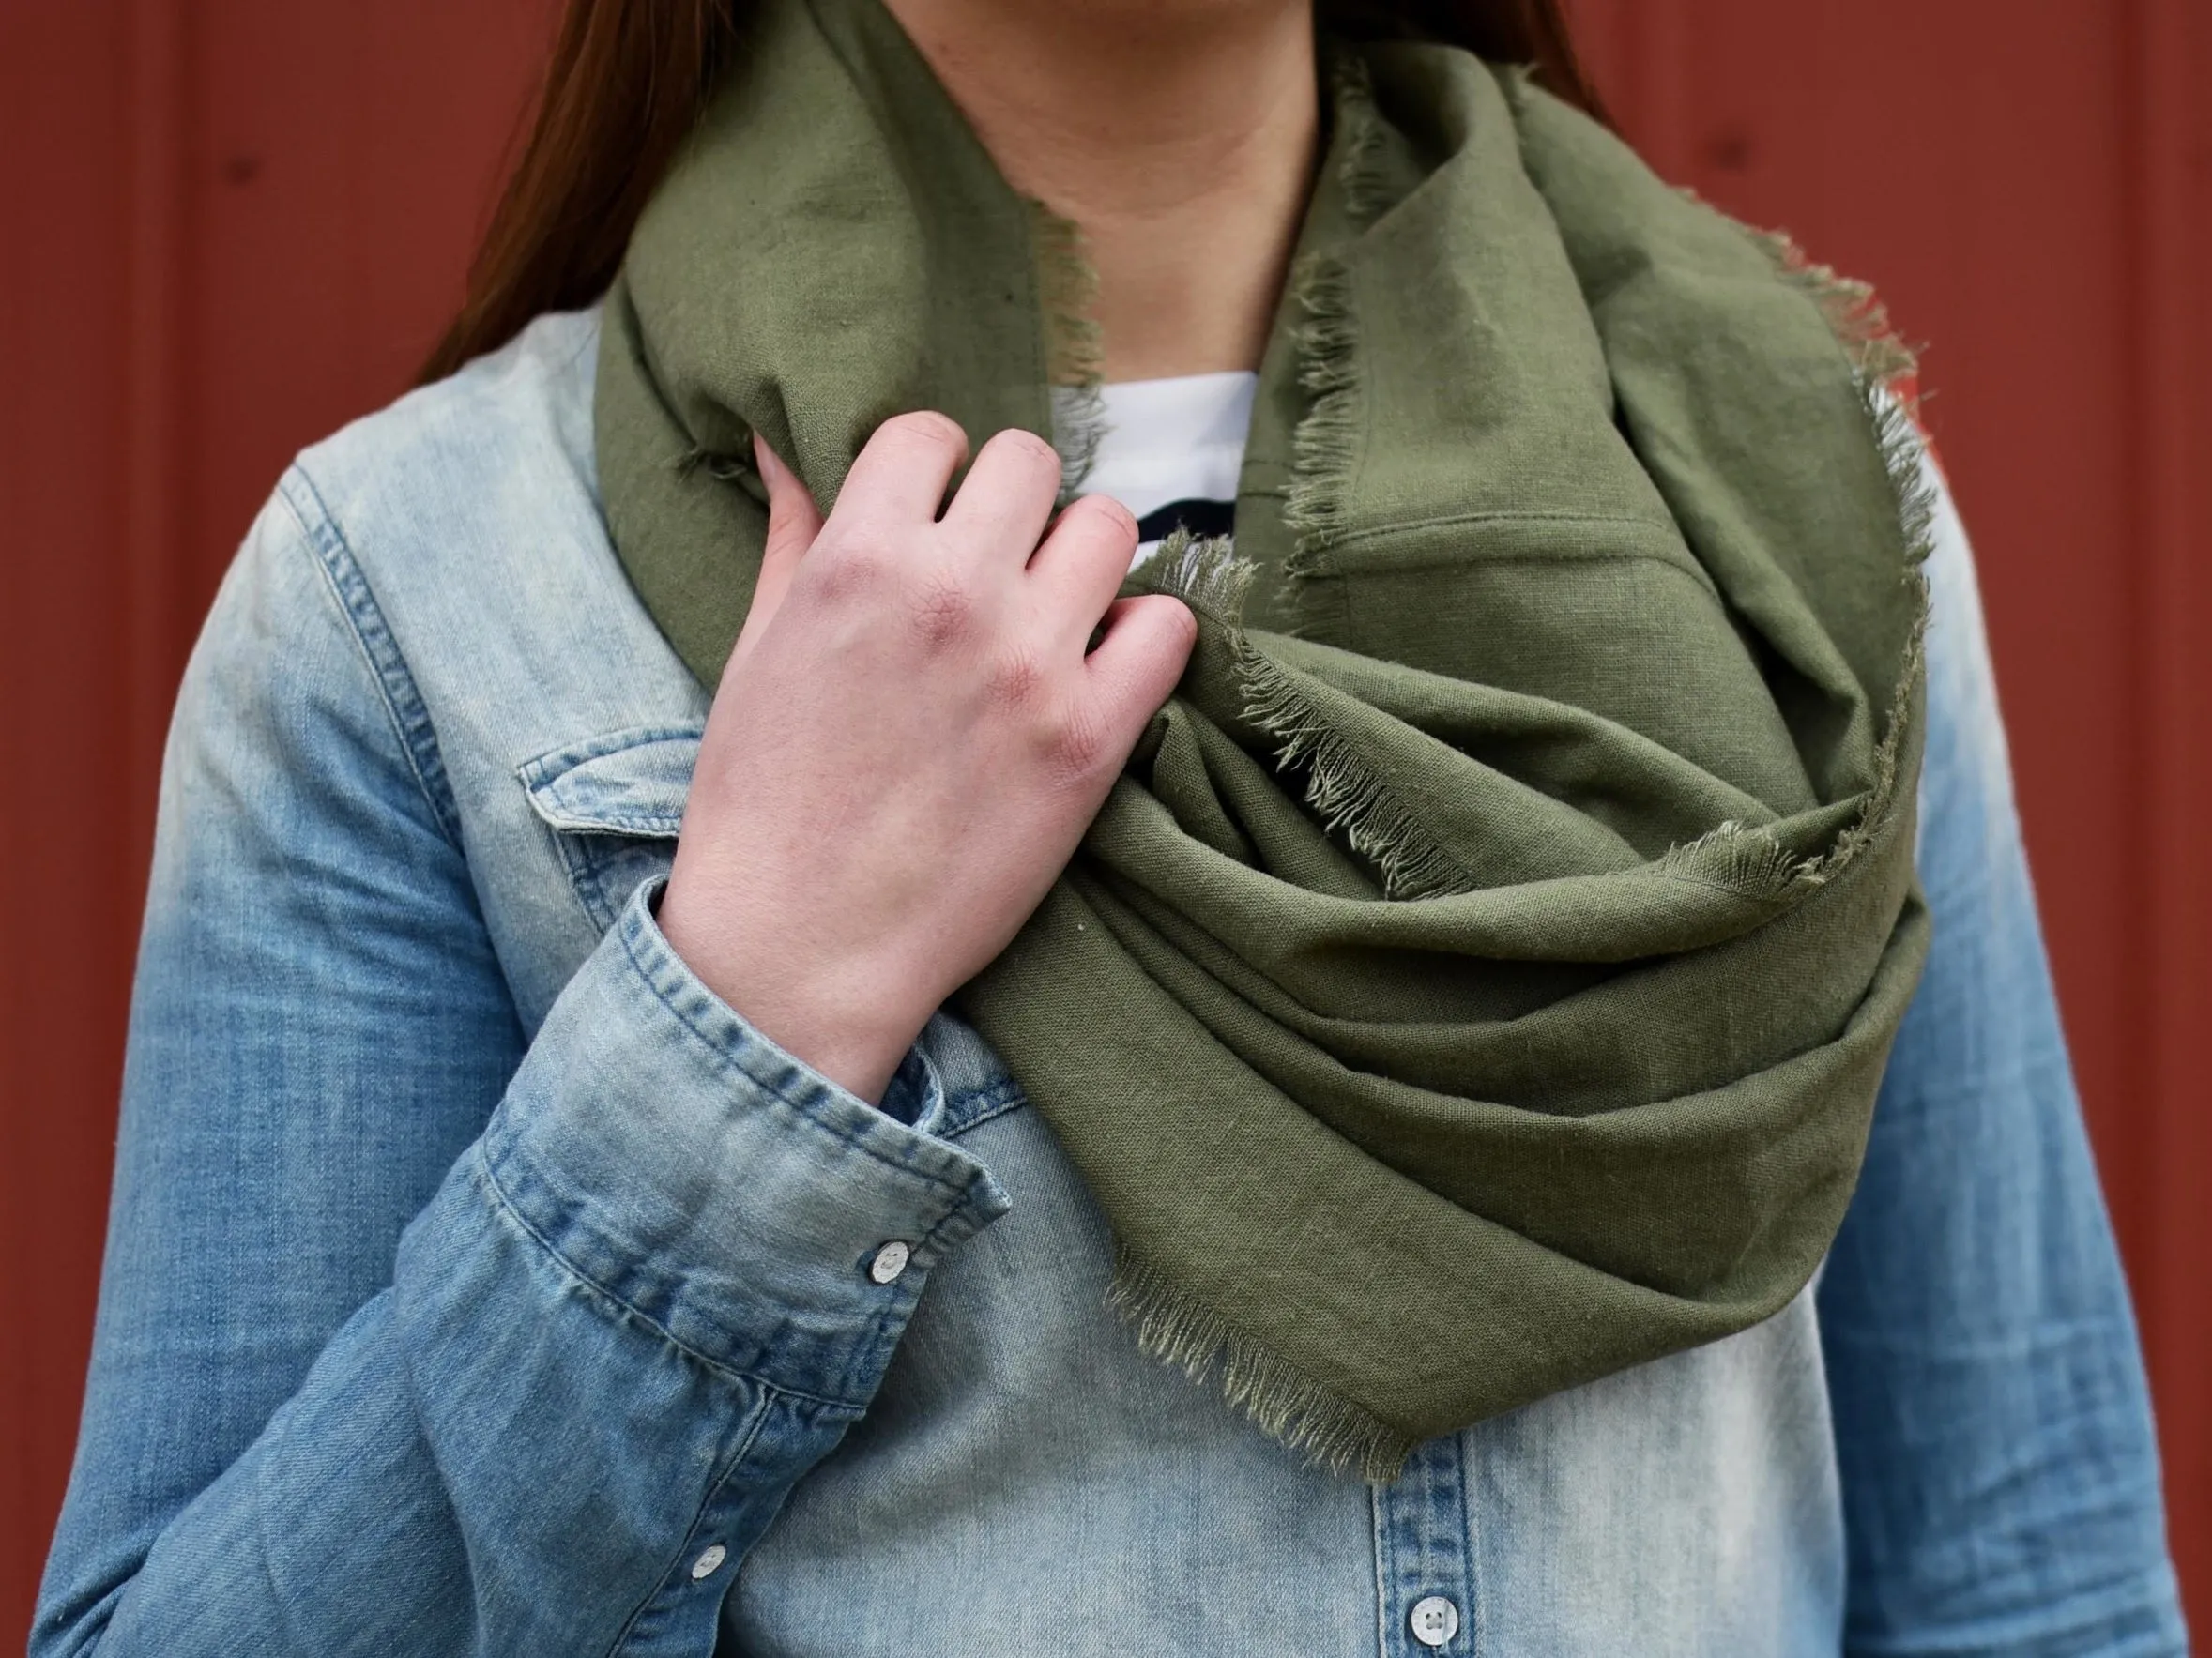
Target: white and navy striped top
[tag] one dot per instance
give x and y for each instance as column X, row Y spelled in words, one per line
column 1171, row 450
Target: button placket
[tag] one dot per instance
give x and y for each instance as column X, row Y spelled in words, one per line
column 1424, row 1554
column 1434, row 1621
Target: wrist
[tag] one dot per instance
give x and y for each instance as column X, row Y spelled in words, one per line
column 841, row 1018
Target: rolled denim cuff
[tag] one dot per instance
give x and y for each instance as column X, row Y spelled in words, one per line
column 757, row 1213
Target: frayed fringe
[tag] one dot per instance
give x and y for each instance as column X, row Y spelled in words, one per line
column 1075, row 350
column 1853, row 312
column 1898, row 437
column 1284, row 1402
column 1886, row 370
column 1206, row 574
column 1736, row 857
column 1341, row 786
column 1343, row 789
column 1884, row 367
column 1324, row 447
column 1359, row 172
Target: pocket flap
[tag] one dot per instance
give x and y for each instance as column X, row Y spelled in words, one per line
column 626, row 782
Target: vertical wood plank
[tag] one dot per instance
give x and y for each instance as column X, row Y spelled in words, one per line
column 2171, row 355
column 160, row 602
column 66, row 864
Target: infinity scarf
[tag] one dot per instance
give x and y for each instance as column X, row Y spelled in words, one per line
column 1480, row 978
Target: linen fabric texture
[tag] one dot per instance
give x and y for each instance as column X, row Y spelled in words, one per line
column 1480, row 979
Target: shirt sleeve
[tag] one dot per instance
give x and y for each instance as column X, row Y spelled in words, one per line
column 2000, row 1474
column 410, row 1340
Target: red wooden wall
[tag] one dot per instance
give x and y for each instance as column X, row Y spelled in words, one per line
column 226, row 228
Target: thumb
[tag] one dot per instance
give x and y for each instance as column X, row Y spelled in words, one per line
column 793, row 523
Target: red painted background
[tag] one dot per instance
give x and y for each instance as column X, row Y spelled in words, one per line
column 228, row 227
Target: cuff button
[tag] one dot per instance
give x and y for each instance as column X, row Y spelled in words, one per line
column 1435, row 1620
column 889, row 1261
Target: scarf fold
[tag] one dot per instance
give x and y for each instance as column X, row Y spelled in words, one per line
column 1480, row 978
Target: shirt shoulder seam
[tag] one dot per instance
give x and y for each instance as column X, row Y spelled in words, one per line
column 348, row 586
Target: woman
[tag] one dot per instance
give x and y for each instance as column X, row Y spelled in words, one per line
column 1463, row 1017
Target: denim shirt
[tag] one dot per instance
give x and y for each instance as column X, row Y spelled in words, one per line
column 477, row 1282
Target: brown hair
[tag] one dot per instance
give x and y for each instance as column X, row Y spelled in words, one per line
column 629, row 77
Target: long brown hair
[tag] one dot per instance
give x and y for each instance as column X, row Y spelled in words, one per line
column 628, row 78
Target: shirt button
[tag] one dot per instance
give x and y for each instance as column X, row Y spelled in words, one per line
column 709, row 1561
column 891, row 1260
column 1435, row 1620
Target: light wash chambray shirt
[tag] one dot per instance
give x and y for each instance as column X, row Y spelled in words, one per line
column 476, row 1283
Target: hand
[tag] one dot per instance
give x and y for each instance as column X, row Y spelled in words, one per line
column 909, row 738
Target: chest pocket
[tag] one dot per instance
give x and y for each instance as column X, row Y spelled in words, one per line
column 614, row 804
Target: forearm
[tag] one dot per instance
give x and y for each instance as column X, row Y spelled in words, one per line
column 637, row 1309
column 412, row 1338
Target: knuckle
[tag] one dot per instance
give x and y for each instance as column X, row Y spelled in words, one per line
column 1015, row 678
column 944, row 611
column 1030, row 444
column 853, row 567
column 1031, row 448
column 1110, row 516
column 1076, row 741
column 928, row 427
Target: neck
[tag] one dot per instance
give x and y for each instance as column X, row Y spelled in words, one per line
column 1179, row 134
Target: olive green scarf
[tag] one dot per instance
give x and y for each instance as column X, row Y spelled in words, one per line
column 1480, row 979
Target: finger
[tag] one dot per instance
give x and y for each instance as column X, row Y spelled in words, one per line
column 1147, row 641
column 1083, row 562
column 1006, row 499
column 793, row 522
column 901, row 475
